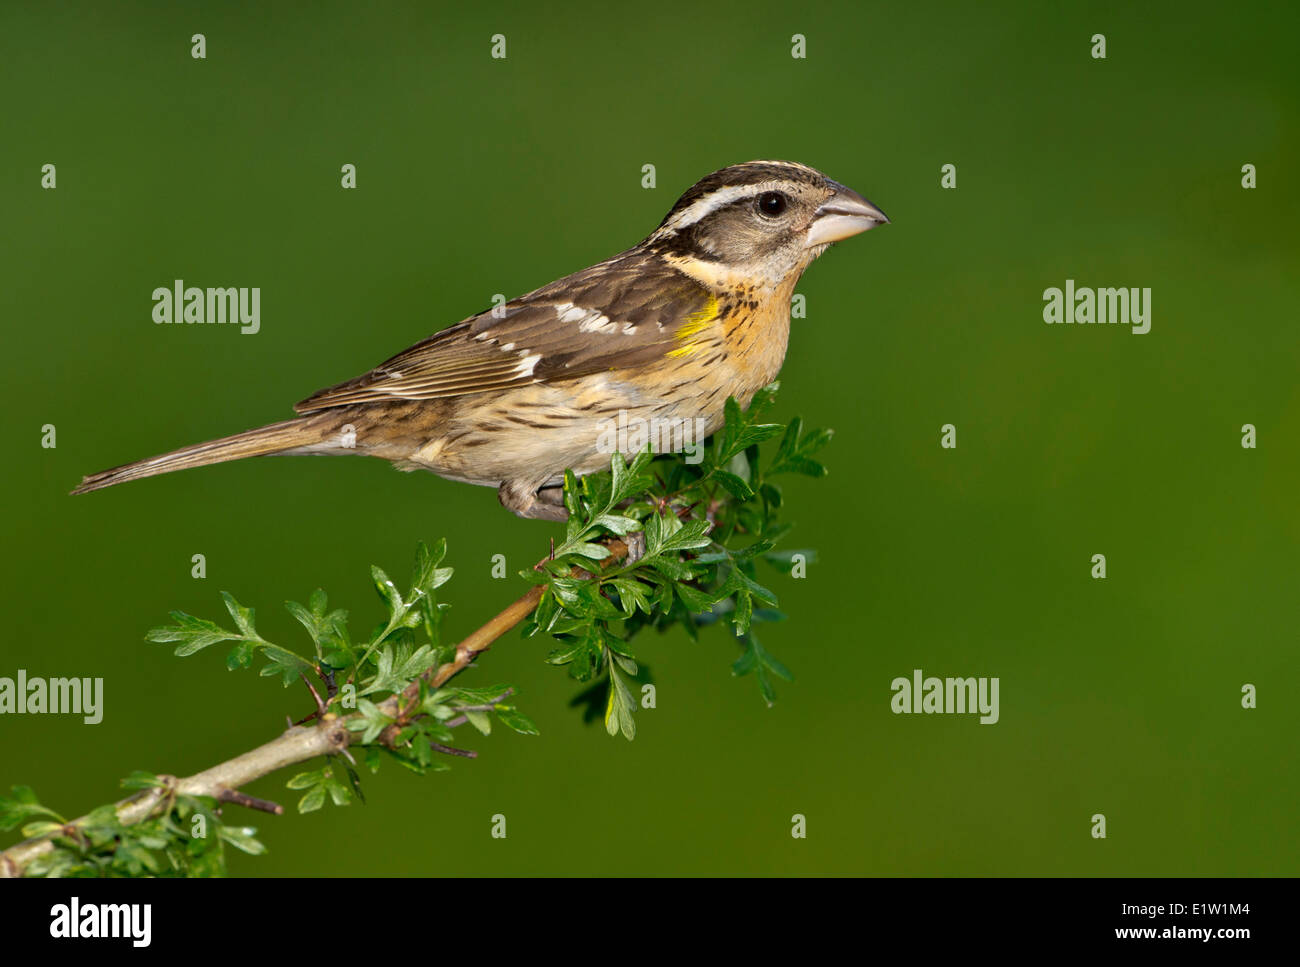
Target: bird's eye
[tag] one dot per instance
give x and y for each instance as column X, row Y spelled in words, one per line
column 772, row 203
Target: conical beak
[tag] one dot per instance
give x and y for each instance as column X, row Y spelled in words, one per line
column 845, row 214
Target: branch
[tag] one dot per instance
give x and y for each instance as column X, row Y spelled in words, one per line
column 300, row 743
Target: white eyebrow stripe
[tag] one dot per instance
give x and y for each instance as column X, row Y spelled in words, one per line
column 715, row 200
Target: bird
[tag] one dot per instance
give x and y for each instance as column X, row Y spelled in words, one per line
column 511, row 397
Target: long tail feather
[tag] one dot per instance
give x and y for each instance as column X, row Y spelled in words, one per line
column 289, row 435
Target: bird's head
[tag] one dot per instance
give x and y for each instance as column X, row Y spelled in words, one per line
column 760, row 223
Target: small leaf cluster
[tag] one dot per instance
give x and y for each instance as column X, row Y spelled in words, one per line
column 378, row 685
column 694, row 535
column 101, row 845
column 386, row 662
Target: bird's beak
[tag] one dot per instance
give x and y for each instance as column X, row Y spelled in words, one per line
column 845, row 214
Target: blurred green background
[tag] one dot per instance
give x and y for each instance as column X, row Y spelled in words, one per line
column 478, row 176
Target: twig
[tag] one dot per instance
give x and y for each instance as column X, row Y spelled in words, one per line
column 451, row 750
column 486, row 707
column 399, row 707
column 250, row 802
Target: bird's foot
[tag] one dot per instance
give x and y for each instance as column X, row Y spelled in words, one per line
column 525, row 501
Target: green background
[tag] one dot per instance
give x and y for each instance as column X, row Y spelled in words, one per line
column 478, row 176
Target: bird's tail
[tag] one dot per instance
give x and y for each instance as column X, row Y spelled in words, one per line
column 305, row 434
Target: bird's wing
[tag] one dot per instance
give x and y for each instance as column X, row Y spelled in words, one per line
column 630, row 311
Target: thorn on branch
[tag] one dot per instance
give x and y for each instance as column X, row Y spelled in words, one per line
column 550, row 557
column 320, row 704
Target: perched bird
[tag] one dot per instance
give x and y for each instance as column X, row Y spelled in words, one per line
column 513, row 396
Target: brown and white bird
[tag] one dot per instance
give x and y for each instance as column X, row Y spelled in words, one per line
column 513, row 396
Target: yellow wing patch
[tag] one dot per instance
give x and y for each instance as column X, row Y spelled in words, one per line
column 696, row 323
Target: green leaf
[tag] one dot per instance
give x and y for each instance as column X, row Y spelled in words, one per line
column 620, row 705
column 757, row 659
column 480, row 720
column 139, row 779
column 240, row 656
column 314, row 799
column 594, row 552
column 671, row 567
column 571, row 498
column 370, row 721
column 534, row 575
column 286, row 664
column 305, row 618
column 483, row 695
column 753, row 550
column 688, row 536
column 625, row 482
column 744, row 612
column 617, row 524
column 22, row 806
column 305, row 780
column 794, row 453
column 515, row 719
column 387, row 590
column 427, row 576
column 754, row 434
column 243, row 616
column 582, row 598
column 762, row 400
column 340, row 794
column 41, row 828
column 570, row 650
column 696, row 601
column 734, row 484
column 582, row 651
column 194, row 634
column 398, row 667
column 242, row 838
column 632, row 595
